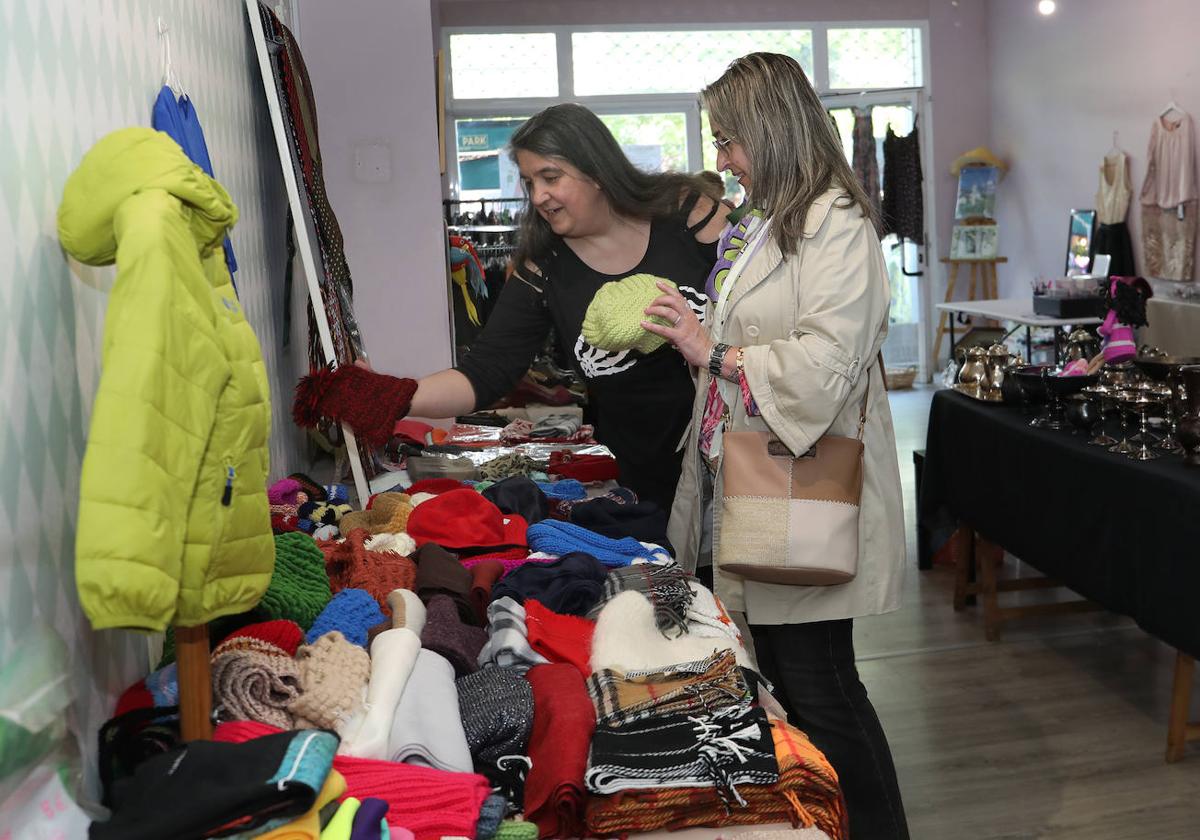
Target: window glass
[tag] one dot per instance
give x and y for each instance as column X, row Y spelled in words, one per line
column 484, row 169
column 874, row 58
column 504, row 65
column 625, row 63
column 654, row 142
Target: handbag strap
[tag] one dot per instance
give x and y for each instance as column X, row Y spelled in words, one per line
column 862, row 410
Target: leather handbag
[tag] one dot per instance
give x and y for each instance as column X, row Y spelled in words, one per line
column 791, row 520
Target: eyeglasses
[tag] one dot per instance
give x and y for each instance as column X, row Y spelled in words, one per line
column 722, row 145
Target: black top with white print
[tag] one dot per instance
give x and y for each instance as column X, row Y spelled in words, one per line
column 639, row 403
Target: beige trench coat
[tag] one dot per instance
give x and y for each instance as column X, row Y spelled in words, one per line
column 811, row 326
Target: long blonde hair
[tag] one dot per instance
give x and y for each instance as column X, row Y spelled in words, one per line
column 765, row 103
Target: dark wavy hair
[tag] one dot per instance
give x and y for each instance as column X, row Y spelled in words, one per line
column 574, row 134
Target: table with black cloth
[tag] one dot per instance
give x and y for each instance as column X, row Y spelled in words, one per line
column 1122, row 533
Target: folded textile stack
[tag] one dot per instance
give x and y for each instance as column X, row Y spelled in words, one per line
column 806, row 794
column 725, row 749
column 227, row 787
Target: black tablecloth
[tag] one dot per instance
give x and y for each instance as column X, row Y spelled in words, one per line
column 1120, row 532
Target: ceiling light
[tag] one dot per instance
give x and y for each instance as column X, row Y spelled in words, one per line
column 1047, row 7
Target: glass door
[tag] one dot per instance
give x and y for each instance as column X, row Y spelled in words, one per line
column 904, row 346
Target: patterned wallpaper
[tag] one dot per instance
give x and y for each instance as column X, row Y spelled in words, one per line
column 71, row 71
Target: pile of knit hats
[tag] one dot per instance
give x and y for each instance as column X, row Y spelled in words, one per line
column 613, row 320
column 298, row 503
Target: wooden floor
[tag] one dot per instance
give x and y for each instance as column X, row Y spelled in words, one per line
column 1057, row 731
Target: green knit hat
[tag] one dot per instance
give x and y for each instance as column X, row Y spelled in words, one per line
column 614, row 318
column 299, row 587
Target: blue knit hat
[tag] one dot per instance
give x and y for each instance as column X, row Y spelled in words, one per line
column 353, row 612
column 559, row 538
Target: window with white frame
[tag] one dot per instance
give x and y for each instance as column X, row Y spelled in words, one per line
column 642, row 82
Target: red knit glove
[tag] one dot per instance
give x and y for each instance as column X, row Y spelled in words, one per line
column 369, row 403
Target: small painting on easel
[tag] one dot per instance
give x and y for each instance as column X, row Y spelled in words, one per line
column 976, row 192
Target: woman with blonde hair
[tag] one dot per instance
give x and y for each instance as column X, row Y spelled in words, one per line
column 789, row 346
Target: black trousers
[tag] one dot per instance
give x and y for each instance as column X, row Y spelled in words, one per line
column 816, row 682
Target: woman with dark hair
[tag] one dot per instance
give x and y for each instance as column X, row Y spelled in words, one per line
column 789, row 347
column 593, row 218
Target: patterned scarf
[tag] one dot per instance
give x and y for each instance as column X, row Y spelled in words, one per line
column 733, row 242
column 728, row 748
column 702, row 686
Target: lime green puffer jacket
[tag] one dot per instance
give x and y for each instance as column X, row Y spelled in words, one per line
column 173, row 525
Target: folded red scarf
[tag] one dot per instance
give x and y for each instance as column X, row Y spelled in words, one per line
column 560, row 638
column 583, row 468
column 563, row 722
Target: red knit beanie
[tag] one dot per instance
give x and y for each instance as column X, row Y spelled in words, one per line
column 281, row 633
column 370, row 403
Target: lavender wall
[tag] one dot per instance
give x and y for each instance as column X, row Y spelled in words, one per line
column 1059, row 87
column 372, row 71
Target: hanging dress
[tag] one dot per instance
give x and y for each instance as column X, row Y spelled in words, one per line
column 866, row 164
column 1112, row 204
column 1169, row 200
column 903, row 208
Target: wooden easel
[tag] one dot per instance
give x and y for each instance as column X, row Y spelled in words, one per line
column 980, row 270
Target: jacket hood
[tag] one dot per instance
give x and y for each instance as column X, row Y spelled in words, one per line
column 123, row 164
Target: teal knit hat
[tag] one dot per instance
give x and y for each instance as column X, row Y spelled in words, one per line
column 614, row 318
column 299, row 587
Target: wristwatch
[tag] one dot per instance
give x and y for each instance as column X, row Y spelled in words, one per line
column 716, row 358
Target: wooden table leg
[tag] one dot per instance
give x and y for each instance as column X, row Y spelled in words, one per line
column 195, row 682
column 986, row 568
column 964, row 559
column 1179, row 731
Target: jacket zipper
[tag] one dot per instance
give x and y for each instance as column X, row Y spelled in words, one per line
column 227, row 496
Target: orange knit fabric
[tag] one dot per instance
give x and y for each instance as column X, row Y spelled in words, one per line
column 351, row 566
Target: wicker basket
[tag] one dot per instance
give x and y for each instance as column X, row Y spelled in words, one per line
column 900, row 378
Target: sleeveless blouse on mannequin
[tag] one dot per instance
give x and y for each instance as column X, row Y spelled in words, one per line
column 1112, row 198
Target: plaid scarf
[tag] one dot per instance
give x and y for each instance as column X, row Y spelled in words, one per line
column 728, row 748
column 807, row 794
column 703, row 686
column 665, row 585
